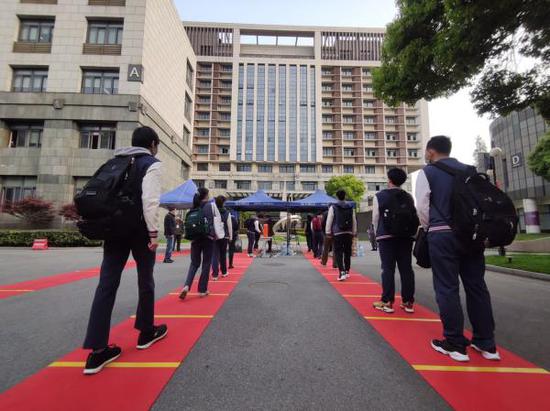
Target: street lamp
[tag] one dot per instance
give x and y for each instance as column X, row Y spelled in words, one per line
column 497, row 152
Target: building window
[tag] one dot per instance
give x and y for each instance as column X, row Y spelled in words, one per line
column 349, row 152
column 368, row 104
column 290, row 186
column 366, row 72
column 309, row 185
column 349, row 169
column 347, row 103
column 413, row 153
column 16, row 189
column 412, row 137
column 347, row 119
column 243, row 184
column 26, row 135
column 375, row 186
column 370, row 136
column 326, row 87
column 367, row 89
column 225, row 116
column 200, row 183
column 100, row 81
column 188, row 107
column 391, row 137
column 203, row 100
column 349, row 135
column 34, row 30
column 307, row 168
column 203, row 132
column 225, row 100
column 327, row 169
column 98, row 136
column 220, row 184
column 244, row 168
column 225, row 167
column 224, row 150
column 347, row 72
column 202, row 149
column 327, row 119
column 370, row 153
column 326, row 103
column 369, row 120
column 265, row 185
column 370, row 170
column 225, row 132
column 390, row 120
column 411, row 121
column 328, row 135
column 189, row 75
column 265, row 168
column 391, row 153
column 30, row 80
column 203, row 116
column 328, row 151
column 347, row 87
column 105, row 32
column 286, row 168
column 186, row 135
column 202, row 166
column 205, row 84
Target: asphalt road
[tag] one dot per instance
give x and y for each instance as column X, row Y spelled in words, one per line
column 284, row 339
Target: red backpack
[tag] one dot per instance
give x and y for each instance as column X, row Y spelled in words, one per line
column 316, row 223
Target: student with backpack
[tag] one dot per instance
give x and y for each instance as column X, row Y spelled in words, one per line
column 235, row 223
column 342, row 225
column 252, row 230
column 396, row 222
column 461, row 212
column 317, row 235
column 201, row 229
column 120, row 206
column 219, row 260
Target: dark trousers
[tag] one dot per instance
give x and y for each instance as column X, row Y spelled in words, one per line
column 342, row 251
column 256, row 240
column 203, row 247
column 178, row 242
column 219, row 257
column 115, row 256
column 397, row 251
column 251, row 240
column 448, row 264
column 317, row 243
column 170, row 242
column 309, row 241
column 231, row 251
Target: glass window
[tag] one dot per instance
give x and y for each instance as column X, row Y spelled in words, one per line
column 349, row 169
column 370, row 136
column 189, row 74
column 265, row 168
column 391, row 137
column 249, row 137
column 203, row 132
column 16, row 189
column 411, row 120
column 225, row 132
column 391, row 153
column 100, row 81
column 349, row 152
column 186, row 135
column 26, row 135
column 412, row 137
column 244, row 168
column 265, row 185
column 309, row 185
column 220, row 184
column 328, row 135
column 291, row 186
column 29, row 80
column 303, row 114
column 347, row 119
column 327, row 169
column 98, row 136
column 105, row 32
column 243, row 184
column 413, row 153
column 240, row 112
column 328, row 151
column 370, row 153
column 292, row 112
column 307, row 168
column 286, row 168
column 369, row 120
column 282, row 113
column 188, row 107
column 347, row 87
column 390, row 120
column 203, row 115
column 370, row 170
column 349, row 135
column 271, row 102
column 202, row 149
column 347, row 103
column 202, row 166
column 260, row 113
column 225, row 166
column 36, row 30
column 199, row 183
column 224, row 150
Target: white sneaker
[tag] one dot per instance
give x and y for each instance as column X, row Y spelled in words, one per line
column 342, row 276
column 204, row 294
column 348, row 275
column 214, row 278
column 488, row 355
column 251, row 255
column 225, row 275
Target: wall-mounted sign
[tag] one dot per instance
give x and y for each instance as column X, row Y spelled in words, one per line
column 135, row 72
column 517, row 160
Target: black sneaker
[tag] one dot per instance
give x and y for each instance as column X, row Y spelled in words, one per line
column 454, row 351
column 168, row 261
column 145, row 340
column 96, row 361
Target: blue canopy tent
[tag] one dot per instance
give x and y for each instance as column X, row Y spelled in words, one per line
column 319, row 200
column 259, row 201
column 180, row 197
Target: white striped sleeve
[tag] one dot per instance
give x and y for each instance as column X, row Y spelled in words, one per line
column 422, row 194
column 150, row 197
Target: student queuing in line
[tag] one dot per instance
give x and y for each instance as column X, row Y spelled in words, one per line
column 394, row 217
column 451, row 260
column 170, row 234
column 258, row 235
column 235, row 224
column 317, row 237
column 252, row 230
column 178, row 233
column 342, row 225
column 270, row 233
column 138, row 234
column 372, row 237
column 202, row 246
column 219, row 259
column 308, row 233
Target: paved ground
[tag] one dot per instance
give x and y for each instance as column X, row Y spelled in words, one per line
column 284, row 340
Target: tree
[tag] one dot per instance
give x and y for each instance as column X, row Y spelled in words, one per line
column 354, row 187
column 436, row 47
column 480, row 147
column 35, row 212
column 539, row 159
column 68, row 211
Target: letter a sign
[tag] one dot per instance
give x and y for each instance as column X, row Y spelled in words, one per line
column 135, row 72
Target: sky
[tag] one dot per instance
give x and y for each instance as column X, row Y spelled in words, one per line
column 453, row 116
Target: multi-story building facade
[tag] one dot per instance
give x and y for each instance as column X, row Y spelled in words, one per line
column 516, row 135
column 285, row 108
column 76, row 77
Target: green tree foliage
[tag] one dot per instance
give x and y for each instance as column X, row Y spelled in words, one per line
column 354, row 187
column 539, row 159
column 436, row 47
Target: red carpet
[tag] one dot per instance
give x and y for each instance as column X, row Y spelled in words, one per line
column 24, row 287
column 510, row 384
column 136, row 379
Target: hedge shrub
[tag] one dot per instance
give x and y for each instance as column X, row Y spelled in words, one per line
column 56, row 238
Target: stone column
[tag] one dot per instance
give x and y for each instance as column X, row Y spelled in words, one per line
column 532, row 220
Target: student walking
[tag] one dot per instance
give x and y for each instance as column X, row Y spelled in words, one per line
column 270, row 233
column 235, row 224
column 342, row 225
column 219, row 260
column 308, row 233
column 252, row 230
column 201, row 230
column 170, row 234
column 132, row 230
column 372, row 237
column 317, row 235
column 396, row 222
column 178, row 233
column 451, row 260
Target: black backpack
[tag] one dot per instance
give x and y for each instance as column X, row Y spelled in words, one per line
column 107, row 200
column 482, row 214
column 399, row 217
column 344, row 217
column 196, row 224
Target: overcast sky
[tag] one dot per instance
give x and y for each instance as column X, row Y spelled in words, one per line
column 452, row 116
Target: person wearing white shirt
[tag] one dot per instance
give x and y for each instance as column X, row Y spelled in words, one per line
column 219, row 259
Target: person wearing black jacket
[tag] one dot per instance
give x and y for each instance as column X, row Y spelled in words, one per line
column 235, row 223
column 169, row 233
column 308, row 233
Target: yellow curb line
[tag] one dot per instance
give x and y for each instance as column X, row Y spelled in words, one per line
column 458, row 368
column 391, row 318
column 119, row 364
